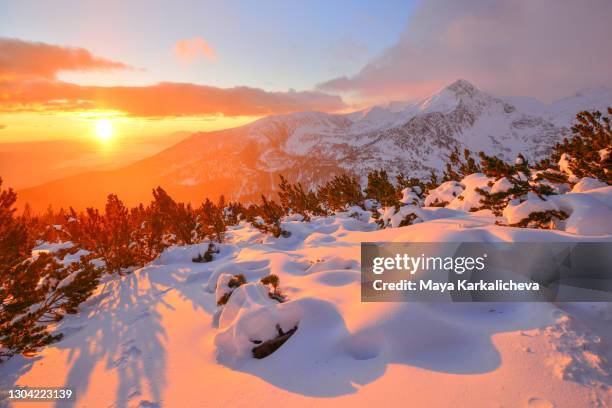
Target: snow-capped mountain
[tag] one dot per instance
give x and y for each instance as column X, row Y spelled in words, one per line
column 310, row 147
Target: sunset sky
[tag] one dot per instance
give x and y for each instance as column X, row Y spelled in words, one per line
column 72, row 69
column 222, row 64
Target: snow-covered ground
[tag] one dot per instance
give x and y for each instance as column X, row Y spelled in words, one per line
column 156, row 337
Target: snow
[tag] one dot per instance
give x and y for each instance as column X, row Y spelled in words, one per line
column 250, row 315
column 501, row 186
column 564, row 166
column 393, row 218
column 586, row 184
column 470, row 198
column 590, row 212
column 48, row 247
column 515, row 212
column 444, row 193
column 156, row 337
column 409, row 196
column 564, row 110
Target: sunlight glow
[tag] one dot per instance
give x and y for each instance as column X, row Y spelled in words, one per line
column 104, row 129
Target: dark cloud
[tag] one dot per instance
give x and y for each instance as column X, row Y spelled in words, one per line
column 543, row 48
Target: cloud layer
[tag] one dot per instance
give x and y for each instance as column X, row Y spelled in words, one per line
column 164, row 99
column 543, row 48
column 24, row 59
column 28, row 83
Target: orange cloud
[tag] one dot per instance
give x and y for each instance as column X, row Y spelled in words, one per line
column 188, row 50
column 28, row 84
column 164, row 99
column 25, row 59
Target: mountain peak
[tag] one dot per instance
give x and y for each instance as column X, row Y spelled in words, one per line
column 462, row 87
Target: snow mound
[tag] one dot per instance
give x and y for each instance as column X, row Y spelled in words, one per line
column 249, row 318
column 444, row 193
column 589, row 213
column 586, row 184
column 516, row 212
column 469, row 199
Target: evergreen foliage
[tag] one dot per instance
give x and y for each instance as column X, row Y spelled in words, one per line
column 590, row 149
column 541, row 219
column 340, row 192
column 458, row 168
column 517, row 175
column 34, row 290
column 212, row 220
column 267, row 217
column 379, row 188
column 293, row 199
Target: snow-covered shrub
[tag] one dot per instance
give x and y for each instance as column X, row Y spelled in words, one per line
column 400, row 216
column 35, row 290
column 265, row 348
column 589, row 152
column 109, row 235
column 534, row 212
column 208, row 255
column 470, row 199
column 513, row 183
column 458, row 168
column 226, row 284
column 251, row 319
column 416, row 186
column 177, row 218
column 382, row 194
column 267, row 217
column 234, row 212
column 294, row 200
column 379, row 188
column 411, row 196
column 273, row 281
column 211, row 219
column 553, row 178
column 443, row 194
column 341, row 192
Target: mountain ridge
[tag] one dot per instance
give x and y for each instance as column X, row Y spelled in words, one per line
column 310, row 147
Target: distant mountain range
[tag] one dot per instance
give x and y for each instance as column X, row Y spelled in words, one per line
column 30, row 163
column 310, row 147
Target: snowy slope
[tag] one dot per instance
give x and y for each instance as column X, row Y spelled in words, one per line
column 156, row 338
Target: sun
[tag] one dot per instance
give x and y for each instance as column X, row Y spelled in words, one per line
column 104, row 129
